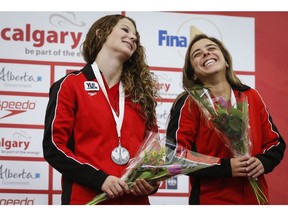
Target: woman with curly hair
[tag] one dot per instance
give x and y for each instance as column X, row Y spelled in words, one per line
column 97, row 118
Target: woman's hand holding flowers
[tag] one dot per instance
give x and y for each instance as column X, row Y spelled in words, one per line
column 141, row 187
column 255, row 168
column 239, row 166
column 114, row 187
column 156, row 161
column 246, row 166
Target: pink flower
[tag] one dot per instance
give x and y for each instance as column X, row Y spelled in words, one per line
column 223, row 103
column 174, row 169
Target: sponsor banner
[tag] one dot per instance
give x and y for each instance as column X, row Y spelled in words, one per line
column 168, row 200
column 178, row 184
column 23, row 199
column 162, row 135
column 170, row 84
column 56, row 180
column 23, row 175
column 56, row 199
column 166, row 40
column 46, row 36
column 17, row 142
column 22, row 110
column 162, row 114
column 61, row 71
column 248, row 80
column 24, row 78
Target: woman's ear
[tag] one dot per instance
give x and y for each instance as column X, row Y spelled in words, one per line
column 98, row 33
column 227, row 65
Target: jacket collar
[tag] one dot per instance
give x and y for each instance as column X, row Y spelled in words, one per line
column 88, row 72
column 242, row 88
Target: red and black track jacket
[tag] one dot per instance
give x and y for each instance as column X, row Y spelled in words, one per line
column 215, row 185
column 80, row 134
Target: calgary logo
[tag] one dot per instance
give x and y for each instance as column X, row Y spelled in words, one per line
column 11, row 108
column 40, row 37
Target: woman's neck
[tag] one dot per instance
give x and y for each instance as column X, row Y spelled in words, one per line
column 218, row 85
column 111, row 69
column 221, row 89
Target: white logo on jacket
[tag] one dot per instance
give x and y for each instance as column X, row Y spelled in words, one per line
column 91, row 87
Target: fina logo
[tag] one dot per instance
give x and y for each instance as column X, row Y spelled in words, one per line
column 186, row 31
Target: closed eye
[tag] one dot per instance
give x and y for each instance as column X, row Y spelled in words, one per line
column 211, row 48
column 125, row 29
column 196, row 54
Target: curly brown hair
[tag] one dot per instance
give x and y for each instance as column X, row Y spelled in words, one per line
column 139, row 82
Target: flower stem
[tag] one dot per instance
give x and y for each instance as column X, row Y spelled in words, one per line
column 100, row 198
column 260, row 196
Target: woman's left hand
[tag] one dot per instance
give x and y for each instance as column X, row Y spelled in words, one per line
column 142, row 187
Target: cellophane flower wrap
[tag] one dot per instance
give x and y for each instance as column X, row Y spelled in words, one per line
column 231, row 122
column 158, row 160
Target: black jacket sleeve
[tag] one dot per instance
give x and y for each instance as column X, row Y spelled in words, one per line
column 273, row 156
column 71, row 169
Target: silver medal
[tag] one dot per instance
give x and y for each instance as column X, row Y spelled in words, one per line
column 120, row 155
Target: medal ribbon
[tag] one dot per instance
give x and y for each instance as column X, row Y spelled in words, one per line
column 118, row 120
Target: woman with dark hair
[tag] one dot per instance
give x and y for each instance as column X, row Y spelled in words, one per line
column 209, row 64
column 97, row 118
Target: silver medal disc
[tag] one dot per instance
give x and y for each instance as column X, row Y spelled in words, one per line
column 120, row 155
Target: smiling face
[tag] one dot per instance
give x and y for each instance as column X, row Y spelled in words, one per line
column 122, row 39
column 207, row 60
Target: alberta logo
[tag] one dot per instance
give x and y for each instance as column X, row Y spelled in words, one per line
column 8, row 174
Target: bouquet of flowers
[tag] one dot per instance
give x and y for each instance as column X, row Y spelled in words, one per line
column 231, row 122
column 159, row 160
